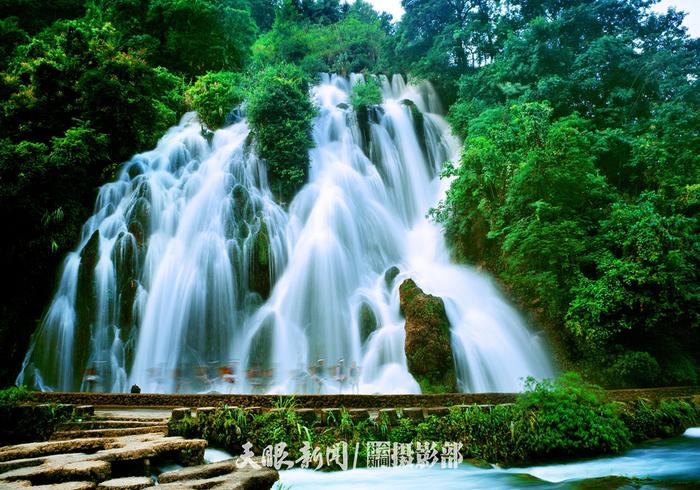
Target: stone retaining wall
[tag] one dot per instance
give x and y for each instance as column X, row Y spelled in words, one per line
column 329, row 401
column 391, row 415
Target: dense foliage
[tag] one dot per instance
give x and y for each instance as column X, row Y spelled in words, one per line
column 344, row 39
column 366, row 94
column 214, row 95
column 578, row 187
column 85, row 84
column 280, row 113
column 564, row 418
column 579, row 179
column 24, row 422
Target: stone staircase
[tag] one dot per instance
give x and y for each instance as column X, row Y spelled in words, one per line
column 123, row 449
column 112, row 424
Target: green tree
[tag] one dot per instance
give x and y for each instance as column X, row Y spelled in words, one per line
column 214, row 95
column 280, row 113
column 357, row 42
column 646, row 276
column 578, row 179
column 73, row 106
column 197, row 36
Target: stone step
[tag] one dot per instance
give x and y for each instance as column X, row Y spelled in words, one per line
column 20, row 455
column 117, row 418
column 130, row 431
column 126, row 483
column 68, row 485
column 107, row 424
column 59, row 472
column 240, row 479
column 198, row 472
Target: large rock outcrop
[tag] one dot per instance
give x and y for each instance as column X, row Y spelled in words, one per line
column 428, row 347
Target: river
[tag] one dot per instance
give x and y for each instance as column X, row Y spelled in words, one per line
column 671, row 463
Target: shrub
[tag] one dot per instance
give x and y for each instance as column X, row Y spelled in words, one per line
column 366, row 94
column 567, row 418
column 634, row 369
column 214, row 95
column 280, row 114
column 564, row 418
column 14, row 395
column 667, row 419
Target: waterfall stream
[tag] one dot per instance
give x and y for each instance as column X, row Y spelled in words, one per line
column 189, row 277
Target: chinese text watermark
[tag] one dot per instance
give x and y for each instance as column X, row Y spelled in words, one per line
column 379, row 454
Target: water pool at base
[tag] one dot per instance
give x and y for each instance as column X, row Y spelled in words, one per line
column 672, row 463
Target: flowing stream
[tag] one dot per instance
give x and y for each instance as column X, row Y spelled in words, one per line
column 190, row 277
column 673, row 463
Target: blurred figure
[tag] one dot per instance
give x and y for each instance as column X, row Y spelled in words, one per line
column 319, row 375
column 340, row 374
column 91, row 379
column 354, row 378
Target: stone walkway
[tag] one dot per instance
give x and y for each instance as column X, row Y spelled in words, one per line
column 121, row 449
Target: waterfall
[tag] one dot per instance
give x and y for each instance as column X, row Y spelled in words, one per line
column 189, row 277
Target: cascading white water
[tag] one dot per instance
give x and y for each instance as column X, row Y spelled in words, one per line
column 189, row 277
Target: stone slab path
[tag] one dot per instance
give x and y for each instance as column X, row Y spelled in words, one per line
column 121, row 449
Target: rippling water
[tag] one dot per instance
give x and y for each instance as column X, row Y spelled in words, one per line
column 673, row 463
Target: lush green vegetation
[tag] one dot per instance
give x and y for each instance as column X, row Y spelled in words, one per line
column 14, row 395
column 331, row 38
column 25, row 422
column 213, row 95
column 578, row 184
column 551, row 420
column 366, row 94
column 280, row 113
column 578, row 187
column 85, row 84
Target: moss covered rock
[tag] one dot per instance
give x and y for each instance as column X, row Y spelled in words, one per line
column 260, row 264
column 85, row 304
column 389, row 276
column 418, row 124
column 368, row 322
column 125, row 256
column 428, row 347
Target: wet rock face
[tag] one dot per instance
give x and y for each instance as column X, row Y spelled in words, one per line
column 260, row 266
column 85, row 301
column 419, row 126
column 368, row 322
column 428, row 347
column 389, row 276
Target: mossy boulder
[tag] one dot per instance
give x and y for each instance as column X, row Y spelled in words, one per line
column 418, row 123
column 138, row 215
column 428, row 346
column 85, row 303
column 125, row 256
column 390, row 274
column 363, row 122
column 260, row 264
column 368, row 322
column 243, row 208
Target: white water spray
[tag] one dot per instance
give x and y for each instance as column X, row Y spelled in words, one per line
column 170, row 285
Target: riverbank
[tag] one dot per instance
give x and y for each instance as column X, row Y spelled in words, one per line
column 551, row 420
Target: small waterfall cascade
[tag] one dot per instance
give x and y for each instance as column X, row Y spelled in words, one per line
column 189, row 277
